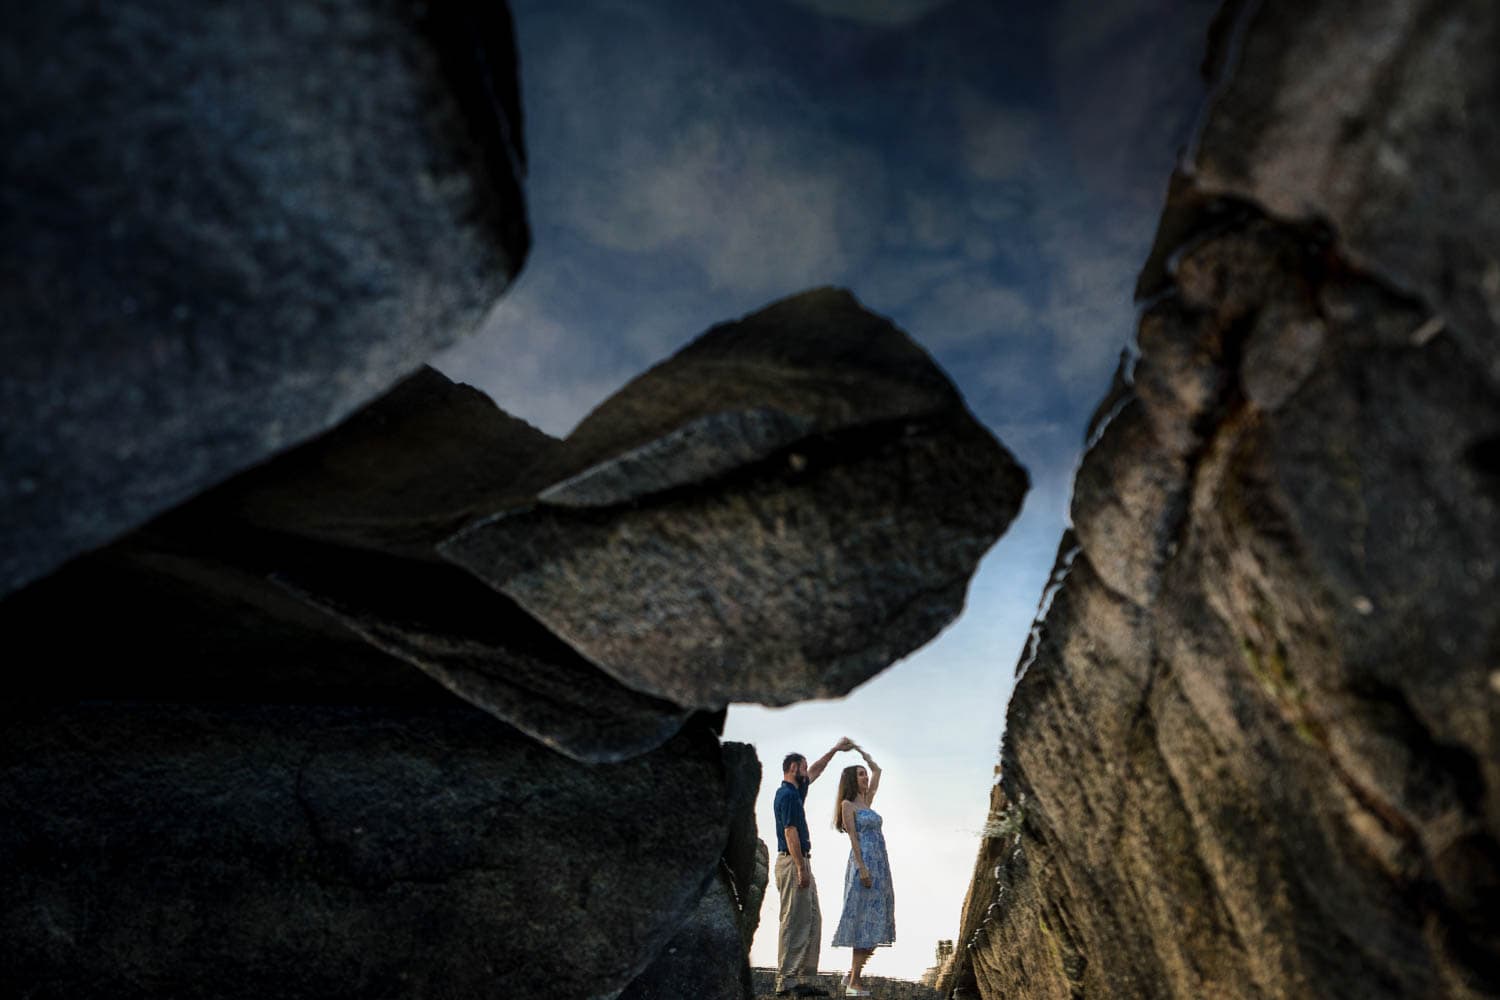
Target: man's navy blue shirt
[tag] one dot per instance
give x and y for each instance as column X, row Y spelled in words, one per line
column 790, row 812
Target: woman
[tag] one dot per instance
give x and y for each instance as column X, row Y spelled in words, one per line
column 869, row 917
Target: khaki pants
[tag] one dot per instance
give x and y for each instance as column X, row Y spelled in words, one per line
column 801, row 926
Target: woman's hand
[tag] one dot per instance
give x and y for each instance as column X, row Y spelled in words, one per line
column 865, row 879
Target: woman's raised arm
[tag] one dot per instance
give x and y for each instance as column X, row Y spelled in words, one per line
column 874, row 773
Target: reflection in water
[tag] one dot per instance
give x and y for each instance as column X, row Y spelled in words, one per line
column 986, row 174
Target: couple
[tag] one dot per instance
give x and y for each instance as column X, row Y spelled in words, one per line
column 869, row 916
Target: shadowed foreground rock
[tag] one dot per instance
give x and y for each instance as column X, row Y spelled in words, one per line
column 1255, row 749
column 313, row 578
column 223, row 228
column 708, row 958
column 301, row 851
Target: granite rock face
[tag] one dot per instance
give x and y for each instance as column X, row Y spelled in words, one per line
column 224, row 228
column 1254, row 749
column 778, row 512
column 335, row 851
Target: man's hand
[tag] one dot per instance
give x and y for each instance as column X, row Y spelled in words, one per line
column 804, row 877
column 844, row 743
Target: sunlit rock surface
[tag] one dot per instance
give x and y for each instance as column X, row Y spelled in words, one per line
column 225, row 227
column 1255, row 748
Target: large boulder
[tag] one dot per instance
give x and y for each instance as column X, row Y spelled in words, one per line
column 247, row 851
column 225, row 227
column 777, row 512
column 1255, row 747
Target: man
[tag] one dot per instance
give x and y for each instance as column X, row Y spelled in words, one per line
column 801, row 920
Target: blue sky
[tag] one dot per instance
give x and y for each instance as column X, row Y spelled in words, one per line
column 986, row 174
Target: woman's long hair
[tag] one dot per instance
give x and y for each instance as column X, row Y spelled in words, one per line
column 848, row 789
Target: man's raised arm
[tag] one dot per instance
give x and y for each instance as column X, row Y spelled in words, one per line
column 817, row 767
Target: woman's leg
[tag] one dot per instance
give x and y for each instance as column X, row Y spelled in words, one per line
column 861, row 956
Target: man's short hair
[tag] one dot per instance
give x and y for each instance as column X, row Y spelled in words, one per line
column 790, row 759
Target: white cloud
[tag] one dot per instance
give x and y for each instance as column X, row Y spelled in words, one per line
column 969, row 308
column 712, row 161
column 1000, row 141
column 1094, row 255
column 738, row 201
column 933, row 221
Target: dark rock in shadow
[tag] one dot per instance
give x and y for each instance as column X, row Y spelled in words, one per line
column 709, row 956
column 310, row 577
column 223, row 229
column 745, row 855
column 704, row 959
column 327, row 851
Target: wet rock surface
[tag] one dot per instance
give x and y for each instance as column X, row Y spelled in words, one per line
column 223, row 229
column 1253, row 750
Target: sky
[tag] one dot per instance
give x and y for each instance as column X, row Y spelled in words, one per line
column 988, row 175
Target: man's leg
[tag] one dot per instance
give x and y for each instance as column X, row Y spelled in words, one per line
column 788, row 940
column 814, row 929
column 803, row 933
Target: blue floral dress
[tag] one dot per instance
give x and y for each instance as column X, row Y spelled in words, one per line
column 869, row 917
